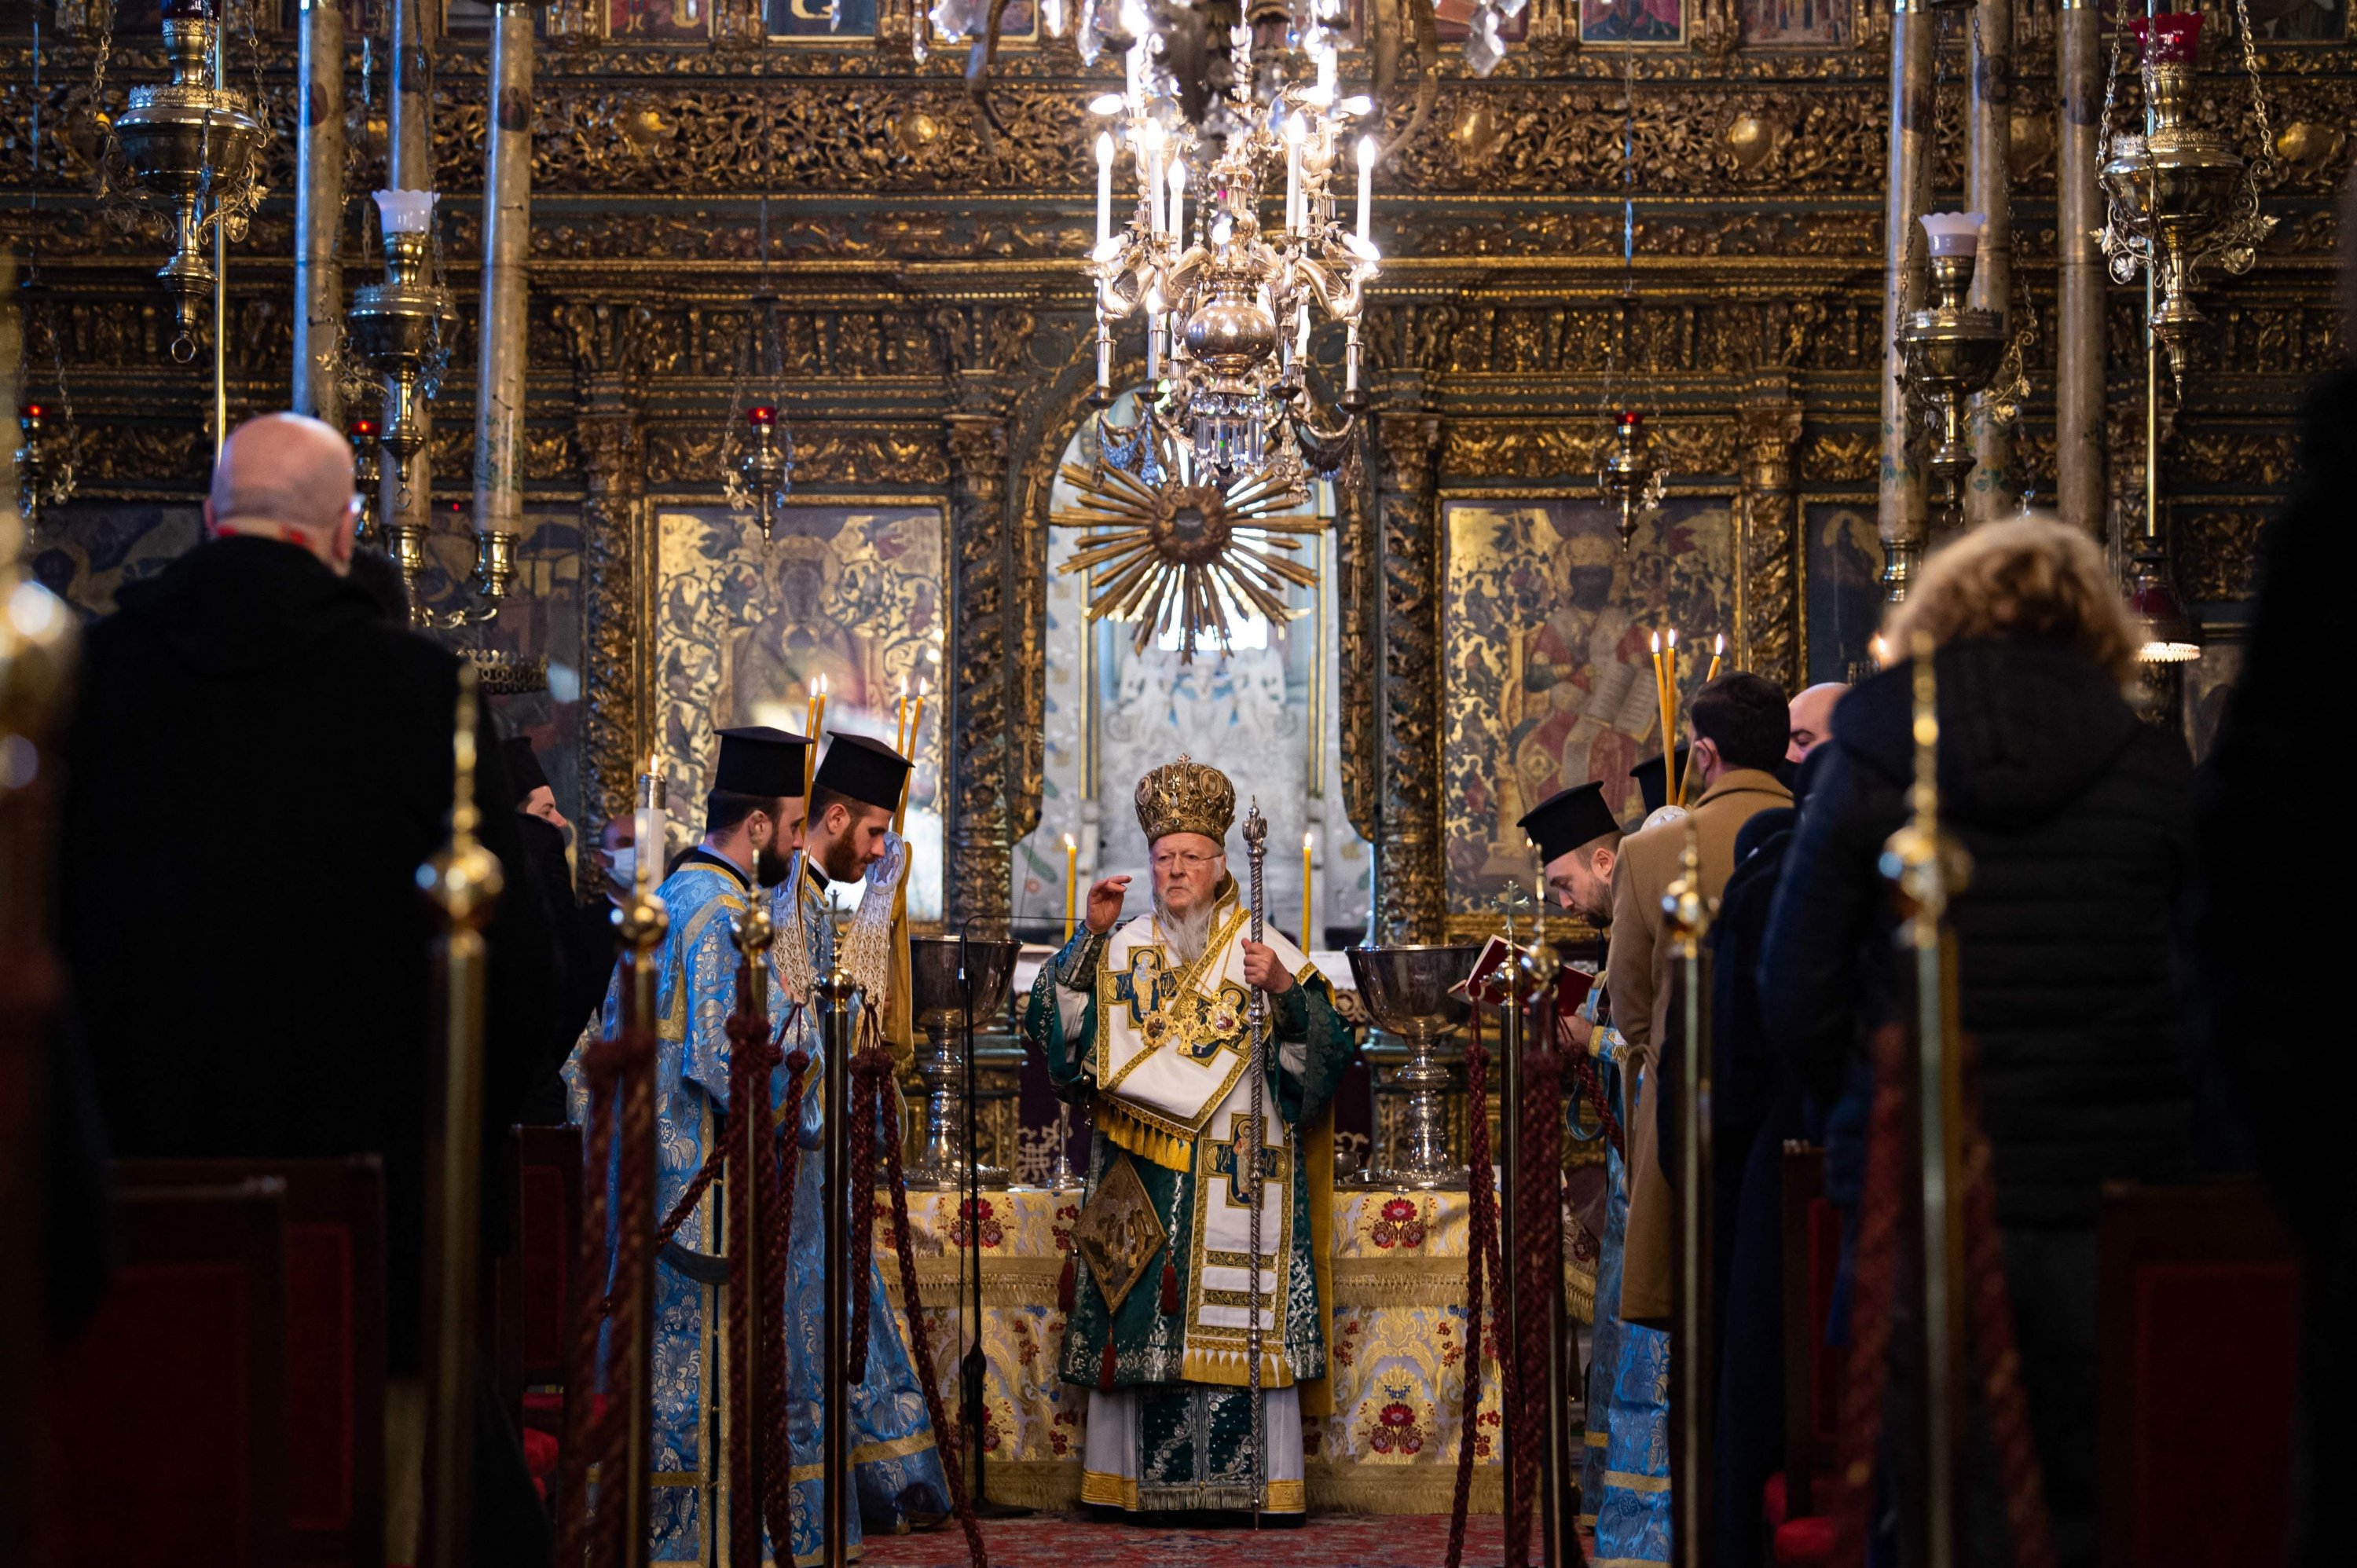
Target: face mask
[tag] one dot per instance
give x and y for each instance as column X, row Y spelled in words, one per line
column 624, row 864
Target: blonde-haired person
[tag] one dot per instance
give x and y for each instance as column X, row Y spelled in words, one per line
column 2075, row 814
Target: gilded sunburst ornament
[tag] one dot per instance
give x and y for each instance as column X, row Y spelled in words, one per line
column 1189, row 555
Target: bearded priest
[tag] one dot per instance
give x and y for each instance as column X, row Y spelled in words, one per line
column 1149, row 1024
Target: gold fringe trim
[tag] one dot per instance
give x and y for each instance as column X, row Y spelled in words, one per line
column 1231, row 1369
column 1359, row 1487
column 1145, row 1134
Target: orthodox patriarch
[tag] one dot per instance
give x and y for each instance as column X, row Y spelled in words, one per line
column 1149, row 1023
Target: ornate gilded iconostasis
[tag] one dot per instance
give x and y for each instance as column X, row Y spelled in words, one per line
column 1641, row 205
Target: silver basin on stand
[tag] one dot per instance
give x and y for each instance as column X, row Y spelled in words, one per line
column 1406, row 991
column 940, row 1008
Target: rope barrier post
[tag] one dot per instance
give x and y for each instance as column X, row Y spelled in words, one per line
column 1685, row 919
column 1926, row 867
column 645, row 922
column 462, row 883
column 839, row 997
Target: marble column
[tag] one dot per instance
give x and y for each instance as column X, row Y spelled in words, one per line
column 318, row 211
column 2079, row 461
column 1769, row 608
column 1991, row 492
column 507, row 243
column 1411, row 889
column 407, row 499
column 978, row 862
column 1899, row 516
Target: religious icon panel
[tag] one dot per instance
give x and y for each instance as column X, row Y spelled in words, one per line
column 850, row 595
column 1546, row 622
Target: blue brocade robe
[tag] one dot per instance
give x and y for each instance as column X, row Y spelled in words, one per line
column 1624, row 1484
column 896, row 1470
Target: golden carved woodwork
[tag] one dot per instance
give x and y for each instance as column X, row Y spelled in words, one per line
column 936, row 346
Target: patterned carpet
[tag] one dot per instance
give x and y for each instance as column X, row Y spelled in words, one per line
column 1069, row 1541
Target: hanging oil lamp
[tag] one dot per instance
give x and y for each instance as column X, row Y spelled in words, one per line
column 401, row 328
column 1629, row 477
column 1951, row 351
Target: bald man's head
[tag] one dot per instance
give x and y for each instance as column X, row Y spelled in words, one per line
column 289, row 477
column 1813, row 719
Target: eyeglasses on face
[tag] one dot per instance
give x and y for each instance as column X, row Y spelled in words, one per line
column 1168, row 859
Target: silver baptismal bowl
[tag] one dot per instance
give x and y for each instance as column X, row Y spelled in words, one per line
column 940, row 1006
column 1406, row 991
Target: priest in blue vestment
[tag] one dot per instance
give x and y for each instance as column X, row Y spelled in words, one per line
column 753, row 822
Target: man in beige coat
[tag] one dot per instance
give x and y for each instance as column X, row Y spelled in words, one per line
column 1741, row 727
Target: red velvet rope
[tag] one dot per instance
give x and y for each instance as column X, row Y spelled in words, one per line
column 1591, row 1086
column 920, row 1345
column 1538, row 1237
column 621, row 1071
column 1995, row 1353
column 754, row 1315
column 1480, row 1252
column 777, row 1478
column 871, row 1079
column 1873, row 1272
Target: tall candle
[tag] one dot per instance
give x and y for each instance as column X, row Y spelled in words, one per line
column 1307, row 882
column 1367, row 151
column 1179, row 201
column 647, row 828
column 1104, row 188
column 1071, row 884
column 1149, row 173
column 1717, row 651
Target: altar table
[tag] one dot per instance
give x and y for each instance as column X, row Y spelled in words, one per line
column 1397, row 1348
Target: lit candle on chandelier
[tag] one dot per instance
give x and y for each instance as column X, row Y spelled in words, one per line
column 1367, row 154
column 1149, row 173
column 1307, row 884
column 1179, row 201
column 1104, row 191
column 1071, row 884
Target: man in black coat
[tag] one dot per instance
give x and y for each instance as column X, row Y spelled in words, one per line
column 256, row 767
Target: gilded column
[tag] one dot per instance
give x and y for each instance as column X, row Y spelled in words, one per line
column 1899, row 509
column 1988, row 180
column 2080, row 280
column 507, row 236
column 1768, row 632
column 978, row 868
column 1410, row 888
column 409, row 166
column 618, row 724
column 318, row 211
column 1357, row 600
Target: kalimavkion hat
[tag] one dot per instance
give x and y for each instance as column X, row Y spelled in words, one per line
column 759, row 761
column 525, row 772
column 862, row 770
column 1651, row 782
column 1568, row 819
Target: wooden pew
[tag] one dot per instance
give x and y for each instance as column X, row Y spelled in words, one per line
column 334, row 1347
column 2198, row 1319
column 162, row 1427
column 533, row 1278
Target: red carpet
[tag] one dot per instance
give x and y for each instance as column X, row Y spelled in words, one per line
column 1328, row 1541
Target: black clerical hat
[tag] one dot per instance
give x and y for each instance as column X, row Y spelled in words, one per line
column 1651, row 782
column 759, row 761
column 524, row 773
column 865, row 770
column 1569, row 817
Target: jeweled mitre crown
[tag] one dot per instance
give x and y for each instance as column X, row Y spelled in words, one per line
column 1185, row 797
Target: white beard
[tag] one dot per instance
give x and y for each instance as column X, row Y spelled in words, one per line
column 1184, row 935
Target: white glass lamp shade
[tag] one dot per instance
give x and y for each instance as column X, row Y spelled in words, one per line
column 406, row 211
column 1953, row 233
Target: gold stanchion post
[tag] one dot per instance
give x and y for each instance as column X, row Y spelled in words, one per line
column 1685, row 920
column 462, row 882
